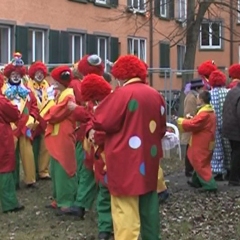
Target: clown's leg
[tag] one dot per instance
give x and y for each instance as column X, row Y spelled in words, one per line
column 27, row 158
column 161, row 187
column 105, row 225
column 36, row 148
column 16, row 173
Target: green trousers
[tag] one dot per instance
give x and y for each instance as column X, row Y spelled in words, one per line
column 105, row 223
column 87, row 188
column 64, row 187
column 210, row 185
column 16, row 174
column 8, row 195
column 36, row 149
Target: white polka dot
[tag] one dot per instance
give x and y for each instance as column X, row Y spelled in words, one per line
column 162, row 110
column 134, row 142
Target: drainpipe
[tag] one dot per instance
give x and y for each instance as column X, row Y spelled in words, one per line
column 151, row 41
column 231, row 32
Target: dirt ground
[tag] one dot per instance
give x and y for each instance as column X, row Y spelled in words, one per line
column 188, row 215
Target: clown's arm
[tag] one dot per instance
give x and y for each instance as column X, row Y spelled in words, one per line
column 10, row 112
column 192, row 125
column 81, row 114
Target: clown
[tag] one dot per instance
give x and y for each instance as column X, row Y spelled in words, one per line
column 87, row 188
column 222, row 151
column 60, row 141
column 8, row 113
column 24, row 98
column 204, row 70
column 234, row 74
column 128, row 116
column 37, row 83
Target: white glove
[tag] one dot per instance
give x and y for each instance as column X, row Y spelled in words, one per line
column 51, row 93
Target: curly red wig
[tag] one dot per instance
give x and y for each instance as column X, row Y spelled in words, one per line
column 85, row 67
column 217, row 79
column 1, row 81
column 129, row 66
column 234, row 71
column 37, row 66
column 11, row 68
column 63, row 75
column 206, row 68
column 94, row 88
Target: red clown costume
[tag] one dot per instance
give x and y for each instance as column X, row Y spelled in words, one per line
column 234, row 74
column 37, row 83
column 204, row 70
column 24, row 98
column 134, row 125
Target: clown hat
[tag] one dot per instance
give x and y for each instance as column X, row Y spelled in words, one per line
column 16, row 65
column 37, row 66
column 217, row 79
column 206, row 68
column 91, row 64
column 129, row 66
column 234, row 71
column 63, row 75
column 94, row 88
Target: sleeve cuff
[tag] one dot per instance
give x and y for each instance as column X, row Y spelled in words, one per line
column 180, row 124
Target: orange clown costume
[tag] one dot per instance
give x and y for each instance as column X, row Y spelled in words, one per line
column 128, row 116
column 87, row 188
column 204, row 70
column 24, row 98
column 37, row 83
column 60, row 140
column 234, row 74
column 94, row 89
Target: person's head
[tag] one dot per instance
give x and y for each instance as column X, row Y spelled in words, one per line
column 206, row 68
column 217, row 79
column 128, row 67
column 62, row 77
column 91, row 64
column 204, row 97
column 197, row 84
column 15, row 70
column 234, row 71
column 37, row 71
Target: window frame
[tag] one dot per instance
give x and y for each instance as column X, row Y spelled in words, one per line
column 72, row 39
column 165, row 3
column 106, row 39
column 182, row 15
column 44, row 44
column 179, row 71
column 101, row 2
column 138, row 10
column 132, row 39
column 210, row 46
column 238, row 13
column 9, row 41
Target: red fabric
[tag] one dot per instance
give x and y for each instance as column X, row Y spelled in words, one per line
column 57, row 72
column 62, row 146
column 75, row 84
column 127, row 113
column 234, row 71
column 203, row 127
column 33, row 110
column 8, row 113
column 233, row 84
column 217, row 79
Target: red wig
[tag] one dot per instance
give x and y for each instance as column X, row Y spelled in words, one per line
column 37, row 66
column 206, row 68
column 91, row 64
column 217, row 79
column 1, row 81
column 234, row 71
column 94, row 88
column 11, row 68
column 63, row 75
column 129, row 66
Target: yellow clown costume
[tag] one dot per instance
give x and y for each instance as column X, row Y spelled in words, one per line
column 38, row 84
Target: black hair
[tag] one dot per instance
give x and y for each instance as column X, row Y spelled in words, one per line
column 205, row 96
column 107, row 76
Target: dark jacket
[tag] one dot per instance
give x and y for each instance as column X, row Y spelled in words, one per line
column 231, row 115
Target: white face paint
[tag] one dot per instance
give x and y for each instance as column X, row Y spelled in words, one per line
column 15, row 77
column 39, row 76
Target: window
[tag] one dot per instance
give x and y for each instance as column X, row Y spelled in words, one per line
column 138, row 5
column 137, row 46
column 36, row 45
column 5, row 44
column 76, row 47
column 104, row 2
column 102, row 49
column 239, row 54
column 164, row 48
column 163, row 8
column 181, row 49
column 238, row 13
column 210, row 35
column 182, row 10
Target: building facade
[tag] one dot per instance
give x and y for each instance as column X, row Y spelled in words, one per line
column 62, row 31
